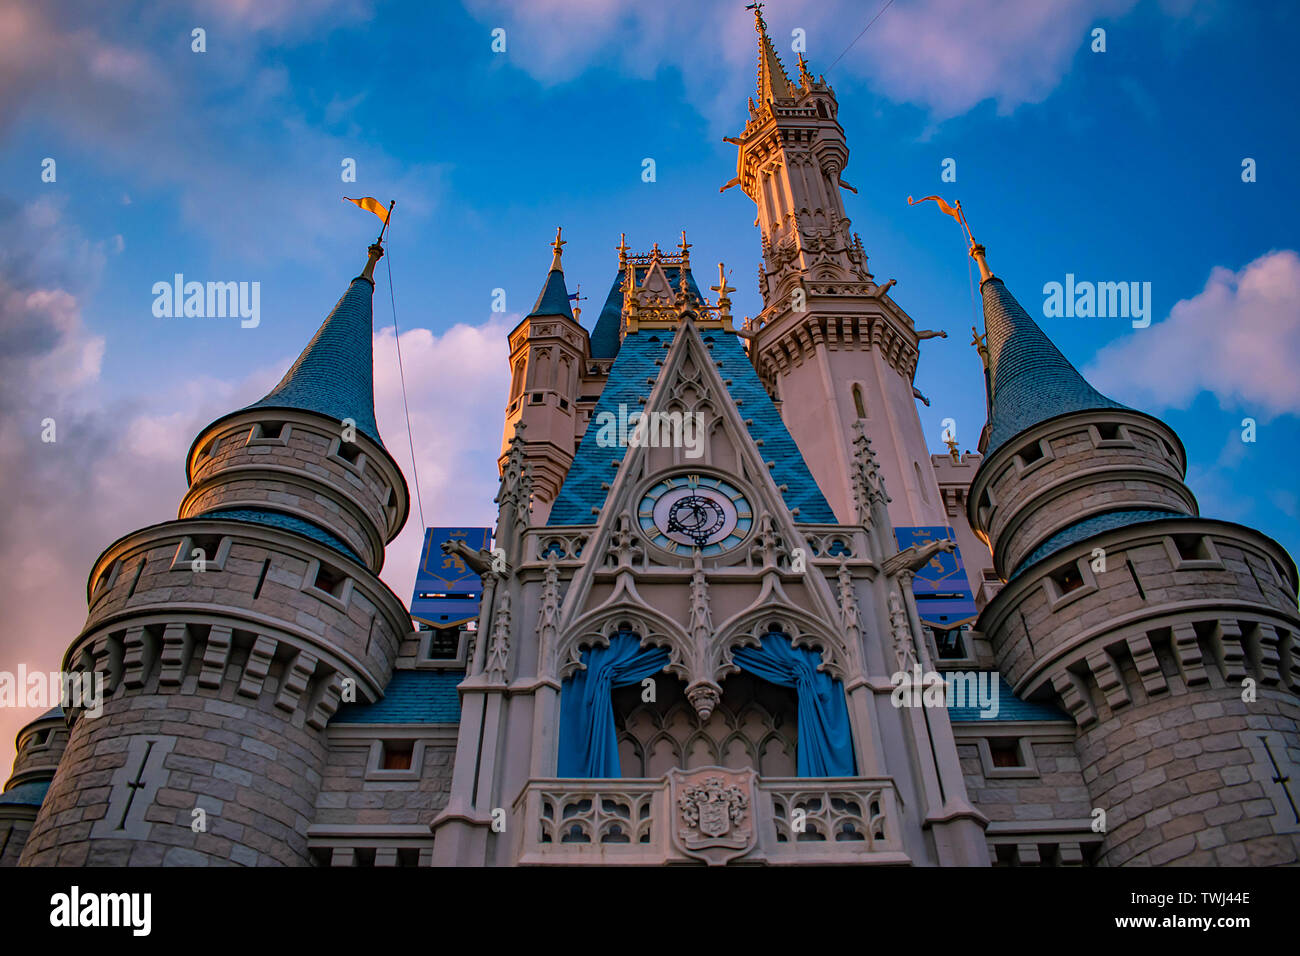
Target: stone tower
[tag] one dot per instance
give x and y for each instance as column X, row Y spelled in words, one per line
column 228, row 637
column 547, row 350
column 1173, row 640
column 829, row 344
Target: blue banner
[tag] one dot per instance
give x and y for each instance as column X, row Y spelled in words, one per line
column 446, row 591
column 943, row 596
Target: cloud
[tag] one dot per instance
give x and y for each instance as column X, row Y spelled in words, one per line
column 224, row 130
column 455, row 384
column 1239, row 339
column 117, row 466
column 942, row 56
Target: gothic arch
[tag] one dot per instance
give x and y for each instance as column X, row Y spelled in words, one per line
column 803, row 630
column 595, row 629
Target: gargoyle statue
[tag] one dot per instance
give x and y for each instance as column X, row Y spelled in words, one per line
column 915, row 558
column 480, row 561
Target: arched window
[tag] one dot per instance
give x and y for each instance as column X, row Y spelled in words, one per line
column 858, row 404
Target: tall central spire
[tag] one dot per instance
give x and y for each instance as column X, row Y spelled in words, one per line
column 773, row 84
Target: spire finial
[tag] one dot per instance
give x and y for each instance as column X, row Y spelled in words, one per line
column 685, row 248
column 376, row 253
column 773, row 84
column 622, row 248
column 723, row 290
column 557, row 245
column 977, row 253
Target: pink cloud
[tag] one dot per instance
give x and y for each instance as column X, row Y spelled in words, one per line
column 1239, row 338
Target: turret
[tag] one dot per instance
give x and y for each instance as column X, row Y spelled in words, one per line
column 228, row 637
column 1172, row 639
column 40, row 745
column 548, row 350
column 830, row 344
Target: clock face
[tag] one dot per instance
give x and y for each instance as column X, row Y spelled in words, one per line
column 686, row 512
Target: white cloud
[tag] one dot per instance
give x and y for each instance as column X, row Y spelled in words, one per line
column 945, row 57
column 456, row 383
column 1239, row 338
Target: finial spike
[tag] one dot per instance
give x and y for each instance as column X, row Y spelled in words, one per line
column 557, row 246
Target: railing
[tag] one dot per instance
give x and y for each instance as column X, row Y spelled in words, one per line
column 795, row 820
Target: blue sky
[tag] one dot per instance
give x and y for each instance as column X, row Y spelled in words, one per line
column 224, row 165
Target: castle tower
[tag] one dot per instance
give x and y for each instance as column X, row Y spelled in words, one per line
column 39, row 747
column 830, row 344
column 1173, row 640
column 688, row 545
column 229, row 636
column 547, row 354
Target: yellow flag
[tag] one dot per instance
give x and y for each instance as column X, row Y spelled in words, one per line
column 948, row 210
column 374, row 205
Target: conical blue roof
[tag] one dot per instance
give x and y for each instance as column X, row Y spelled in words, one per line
column 554, row 299
column 1029, row 380
column 334, row 375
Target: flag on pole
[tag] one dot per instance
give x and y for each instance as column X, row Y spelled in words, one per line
column 948, row 211
column 374, row 205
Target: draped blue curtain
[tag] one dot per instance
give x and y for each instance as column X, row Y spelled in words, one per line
column 588, row 742
column 825, row 741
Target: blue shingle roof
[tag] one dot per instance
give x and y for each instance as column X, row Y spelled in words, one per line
column 335, row 373
column 1010, row 707
column 1029, row 380
column 604, row 337
column 1088, row 527
column 554, row 297
column 592, row 466
column 286, row 522
column 411, row 697
column 26, row 794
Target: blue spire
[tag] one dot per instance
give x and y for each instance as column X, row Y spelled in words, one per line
column 554, row 299
column 334, row 375
column 1029, row 380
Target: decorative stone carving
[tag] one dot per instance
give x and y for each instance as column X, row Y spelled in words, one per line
column 498, row 659
column 548, row 615
column 712, row 813
column 901, row 629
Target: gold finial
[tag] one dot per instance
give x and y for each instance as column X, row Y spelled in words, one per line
column 557, row 245
column 654, row 251
column 981, row 345
column 977, row 253
column 685, row 248
column 951, row 442
column 622, row 248
column 723, row 290
column 376, row 253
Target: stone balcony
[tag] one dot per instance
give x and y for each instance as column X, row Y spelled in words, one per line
column 711, row 815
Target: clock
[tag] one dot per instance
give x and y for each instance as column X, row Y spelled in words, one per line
column 685, row 512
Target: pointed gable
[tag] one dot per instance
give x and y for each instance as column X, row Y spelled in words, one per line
column 638, row 365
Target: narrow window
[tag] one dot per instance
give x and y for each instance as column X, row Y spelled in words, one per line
column 330, row 581
column 1191, row 547
column 858, row 403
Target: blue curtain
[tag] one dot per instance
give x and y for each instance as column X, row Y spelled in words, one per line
column 825, row 742
column 588, row 742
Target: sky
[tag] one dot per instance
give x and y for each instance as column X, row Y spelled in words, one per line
column 225, row 165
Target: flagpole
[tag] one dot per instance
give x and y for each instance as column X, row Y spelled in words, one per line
column 386, row 218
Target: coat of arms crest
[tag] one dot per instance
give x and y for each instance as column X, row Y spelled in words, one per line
column 713, row 812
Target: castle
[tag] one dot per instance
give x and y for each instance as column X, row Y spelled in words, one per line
column 690, row 650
